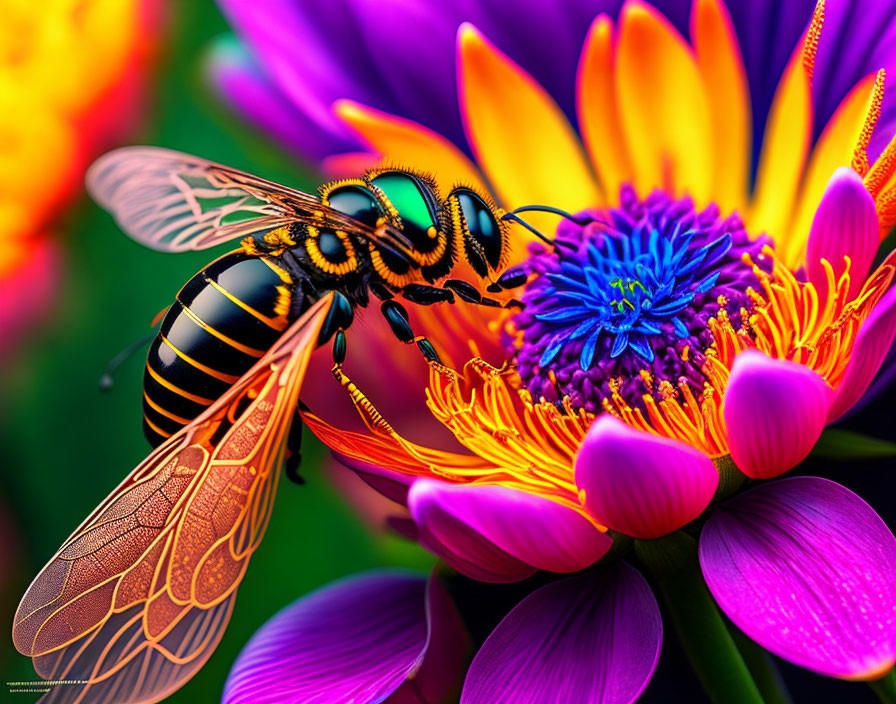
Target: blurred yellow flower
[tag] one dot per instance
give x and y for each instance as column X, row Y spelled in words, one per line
column 70, row 81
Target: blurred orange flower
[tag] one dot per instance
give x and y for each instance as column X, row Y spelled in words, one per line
column 71, row 78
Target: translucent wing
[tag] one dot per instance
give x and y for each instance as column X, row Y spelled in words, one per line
column 138, row 597
column 175, row 202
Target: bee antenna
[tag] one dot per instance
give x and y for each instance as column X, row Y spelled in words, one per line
column 106, row 381
column 577, row 219
column 517, row 219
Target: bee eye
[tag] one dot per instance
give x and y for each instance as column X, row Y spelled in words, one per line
column 356, row 202
column 479, row 225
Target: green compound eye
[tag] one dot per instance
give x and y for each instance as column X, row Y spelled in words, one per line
column 415, row 205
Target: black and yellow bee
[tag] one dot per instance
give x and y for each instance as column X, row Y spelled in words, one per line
column 388, row 233
column 135, row 601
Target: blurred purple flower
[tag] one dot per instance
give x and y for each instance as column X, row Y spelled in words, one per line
column 296, row 58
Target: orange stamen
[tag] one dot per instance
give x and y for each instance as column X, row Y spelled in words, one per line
column 860, row 153
column 882, row 169
column 886, row 209
column 787, row 321
column 813, row 34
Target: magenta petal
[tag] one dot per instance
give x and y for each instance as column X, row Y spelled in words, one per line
column 774, row 412
column 871, row 346
column 479, row 523
column 640, row 484
column 353, row 640
column 808, row 570
column 447, row 652
column 591, row 638
column 240, row 83
column 845, row 224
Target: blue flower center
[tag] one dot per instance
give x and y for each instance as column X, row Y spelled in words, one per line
column 623, row 303
column 625, row 288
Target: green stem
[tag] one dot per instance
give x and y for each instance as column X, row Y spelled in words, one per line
column 762, row 667
column 715, row 658
column 885, row 687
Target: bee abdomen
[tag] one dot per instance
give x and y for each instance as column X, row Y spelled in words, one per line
column 223, row 321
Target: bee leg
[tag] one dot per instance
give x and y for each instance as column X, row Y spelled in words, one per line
column 426, row 295
column 467, row 292
column 369, row 414
column 294, row 446
column 510, row 279
column 397, row 317
column 339, row 317
column 381, row 291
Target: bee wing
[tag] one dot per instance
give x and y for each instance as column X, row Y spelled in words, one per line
column 174, row 202
column 138, row 597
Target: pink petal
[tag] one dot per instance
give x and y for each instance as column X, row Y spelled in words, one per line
column 592, row 638
column 502, row 531
column 774, row 413
column 640, row 484
column 845, row 224
column 808, row 570
column 353, row 640
column 871, row 346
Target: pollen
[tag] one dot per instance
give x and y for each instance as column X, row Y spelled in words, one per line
column 813, row 35
column 860, row 153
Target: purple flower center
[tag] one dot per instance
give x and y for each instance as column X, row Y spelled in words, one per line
column 622, row 302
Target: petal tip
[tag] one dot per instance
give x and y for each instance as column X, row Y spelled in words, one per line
column 774, row 412
column 640, row 484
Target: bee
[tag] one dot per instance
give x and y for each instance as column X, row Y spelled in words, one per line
column 138, row 597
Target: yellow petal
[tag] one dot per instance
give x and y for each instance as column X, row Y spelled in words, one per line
column 663, row 105
column 409, row 144
column 721, row 65
column 520, row 137
column 833, row 150
column 785, row 147
column 597, row 110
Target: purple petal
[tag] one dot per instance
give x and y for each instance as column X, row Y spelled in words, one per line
column 774, row 412
column 768, row 31
column 640, row 484
column 807, row 569
column 353, row 640
column 413, row 52
column 845, row 224
column 503, row 531
column 872, row 344
column 447, row 652
column 239, row 82
column 311, row 53
column 592, row 638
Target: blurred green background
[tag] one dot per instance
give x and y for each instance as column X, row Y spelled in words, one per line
column 64, row 446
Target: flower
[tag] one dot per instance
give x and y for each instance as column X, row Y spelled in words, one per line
column 685, row 336
column 69, row 88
